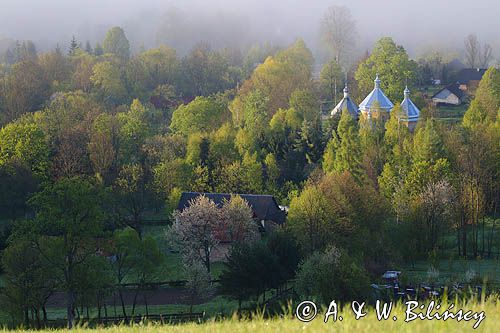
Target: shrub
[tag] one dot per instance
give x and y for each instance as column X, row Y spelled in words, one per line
column 332, row 275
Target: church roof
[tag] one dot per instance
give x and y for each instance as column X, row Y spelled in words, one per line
column 409, row 110
column 376, row 98
column 346, row 103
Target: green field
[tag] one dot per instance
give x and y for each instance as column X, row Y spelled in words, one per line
column 451, row 113
column 348, row 324
column 455, row 270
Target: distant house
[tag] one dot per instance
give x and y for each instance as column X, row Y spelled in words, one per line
column 266, row 210
column 450, row 95
column 266, row 213
column 468, row 78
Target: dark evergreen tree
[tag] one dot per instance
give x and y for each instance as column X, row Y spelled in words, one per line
column 73, row 46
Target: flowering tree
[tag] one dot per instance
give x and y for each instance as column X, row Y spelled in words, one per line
column 199, row 228
column 196, row 230
column 238, row 220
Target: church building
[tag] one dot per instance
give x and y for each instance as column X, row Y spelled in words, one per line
column 378, row 106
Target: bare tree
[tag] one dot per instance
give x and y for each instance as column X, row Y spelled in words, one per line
column 338, row 30
column 486, row 55
column 472, row 50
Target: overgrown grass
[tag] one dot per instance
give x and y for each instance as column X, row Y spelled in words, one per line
column 348, row 324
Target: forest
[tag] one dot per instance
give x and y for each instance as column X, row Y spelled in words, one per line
column 98, row 143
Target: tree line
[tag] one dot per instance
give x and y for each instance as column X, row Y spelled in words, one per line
column 95, row 140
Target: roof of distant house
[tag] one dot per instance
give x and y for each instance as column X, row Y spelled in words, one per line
column 264, row 207
column 470, row 74
column 454, row 88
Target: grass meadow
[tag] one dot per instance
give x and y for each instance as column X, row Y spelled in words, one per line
column 369, row 323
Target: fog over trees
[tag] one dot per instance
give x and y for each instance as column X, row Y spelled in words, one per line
column 421, row 26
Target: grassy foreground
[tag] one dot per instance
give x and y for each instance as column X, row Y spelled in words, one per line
column 349, row 324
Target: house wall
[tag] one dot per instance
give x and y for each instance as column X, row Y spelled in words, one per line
column 376, row 114
column 410, row 124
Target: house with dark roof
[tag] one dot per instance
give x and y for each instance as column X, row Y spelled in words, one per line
column 265, row 208
column 267, row 214
column 468, row 78
column 450, row 95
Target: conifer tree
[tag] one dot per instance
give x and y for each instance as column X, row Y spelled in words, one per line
column 428, row 144
column 343, row 152
column 88, row 48
column 73, row 46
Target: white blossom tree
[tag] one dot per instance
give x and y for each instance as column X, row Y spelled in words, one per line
column 196, row 230
column 238, row 220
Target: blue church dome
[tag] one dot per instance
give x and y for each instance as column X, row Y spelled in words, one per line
column 346, row 103
column 376, row 100
column 409, row 110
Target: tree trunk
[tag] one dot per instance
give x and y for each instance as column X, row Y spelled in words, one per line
column 483, row 249
column 37, row 316
column 490, row 238
column 135, row 301
column 464, row 236
column 44, row 310
column 26, row 317
column 122, row 303
column 70, row 308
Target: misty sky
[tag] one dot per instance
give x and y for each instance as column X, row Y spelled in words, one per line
column 418, row 25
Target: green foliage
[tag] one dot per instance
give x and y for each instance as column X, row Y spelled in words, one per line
column 161, row 66
column 392, row 64
column 172, row 174
column 24, row 141
column 204, row 114
column 427, row 143
column 29, row 280
column 222, row 148
column 107, row 78
column 69, row 218
column 24, row 90
column 308, row 219
column 331, row 79
column 116, row 43
column 133, row 131
column 484, row 108
column 252, row 174
column 277, row 78
column 206, row 72
column 250, row 270
column 17, row 184
column 343, row 151
column 332, row 275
